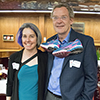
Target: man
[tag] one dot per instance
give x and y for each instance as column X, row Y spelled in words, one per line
column 73, row 77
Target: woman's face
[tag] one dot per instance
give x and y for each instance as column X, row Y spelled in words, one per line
column 29, row 39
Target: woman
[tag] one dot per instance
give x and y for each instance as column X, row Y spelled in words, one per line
column 27, row 81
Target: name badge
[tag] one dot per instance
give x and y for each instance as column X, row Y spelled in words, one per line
column 15, row 65
column 75, row 63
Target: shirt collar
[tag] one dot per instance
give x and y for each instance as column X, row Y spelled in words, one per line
column 67, row 37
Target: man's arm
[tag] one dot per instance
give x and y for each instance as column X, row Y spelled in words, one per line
column 90, row 71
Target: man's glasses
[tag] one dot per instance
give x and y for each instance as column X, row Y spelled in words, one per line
column 62, row 18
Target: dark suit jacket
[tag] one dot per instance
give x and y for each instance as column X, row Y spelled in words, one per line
column 12, row 82
column 77, row 83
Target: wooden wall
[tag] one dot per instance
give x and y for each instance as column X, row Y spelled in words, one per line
column 10, row 23
column 92, row 25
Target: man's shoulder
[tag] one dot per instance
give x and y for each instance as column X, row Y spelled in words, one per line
column 81, row 35
column 52, row 38
column 84, row 36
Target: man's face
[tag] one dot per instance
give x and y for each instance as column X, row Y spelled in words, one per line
column 61, row 20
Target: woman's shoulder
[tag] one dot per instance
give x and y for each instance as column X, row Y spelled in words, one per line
column 16, row 54
column 42, row 53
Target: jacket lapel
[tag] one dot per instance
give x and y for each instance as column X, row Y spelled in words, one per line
column 73, row 36
column 65, row 61
column 50, row 63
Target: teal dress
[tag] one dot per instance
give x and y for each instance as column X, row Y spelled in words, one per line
column 28, row 82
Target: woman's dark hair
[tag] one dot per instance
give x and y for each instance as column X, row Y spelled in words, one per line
column 31, row 26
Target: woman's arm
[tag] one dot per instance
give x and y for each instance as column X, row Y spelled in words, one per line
column 8, row 98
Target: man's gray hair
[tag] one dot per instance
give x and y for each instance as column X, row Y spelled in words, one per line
column 70, row 10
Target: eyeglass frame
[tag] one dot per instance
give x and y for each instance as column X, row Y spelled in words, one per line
column 64, row 17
